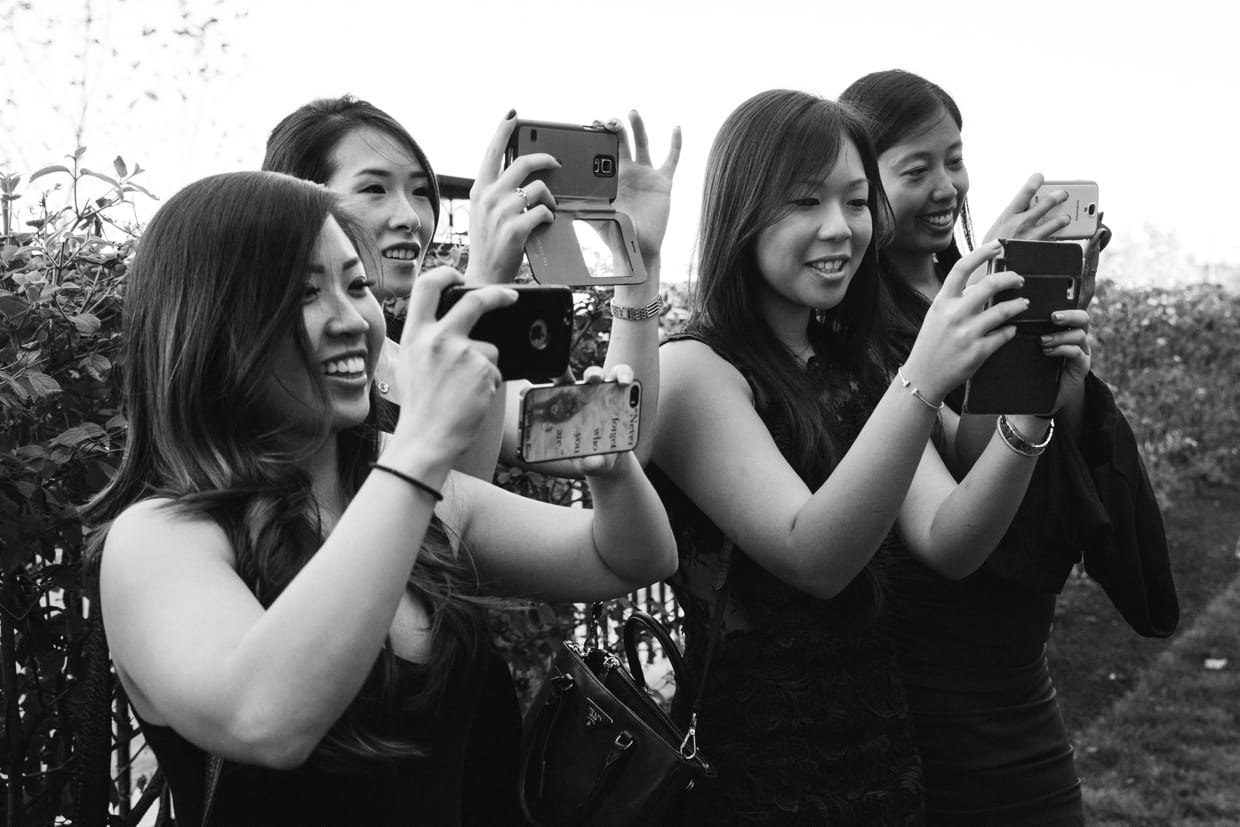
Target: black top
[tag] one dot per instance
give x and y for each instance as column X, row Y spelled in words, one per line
column 803, row 713
column 466, row 777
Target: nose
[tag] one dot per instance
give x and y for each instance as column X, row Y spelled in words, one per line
column 945, row 187
column 347, row 320
column 405, row 216
column 834, row 226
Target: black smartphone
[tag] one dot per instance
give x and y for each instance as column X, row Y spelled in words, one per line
column 567, row 421
column 588, row 156
column 1019, row 378
column 533, row 334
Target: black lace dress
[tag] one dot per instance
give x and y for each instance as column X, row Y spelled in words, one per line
column 803, row 712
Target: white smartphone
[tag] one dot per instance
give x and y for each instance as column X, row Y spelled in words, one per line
column 566, row 421
column 1081, row 207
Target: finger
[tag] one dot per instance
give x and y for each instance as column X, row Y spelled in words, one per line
column 466, row 312
column 592, row 375
column 596, row 464
column 1074, row 319
column 522, row 167
column 956, row 280
column 537, row 192
column 566, row 378
column 641, row 142
column 1000, row 313
column 673, row 154
column 427, row 288
column 1024, row 195
column 493, row 158
column 624, row 149
column 619, row 373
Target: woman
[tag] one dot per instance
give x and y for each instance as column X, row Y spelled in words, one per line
column 360, row 151
column 271, row 600
column 784, row 431
column 973, row 651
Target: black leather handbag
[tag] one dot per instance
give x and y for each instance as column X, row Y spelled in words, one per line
column 597, row 749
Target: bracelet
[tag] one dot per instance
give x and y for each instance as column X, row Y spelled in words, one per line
column 637, row 314
column 915, row 392
column 1013, row 438
column 416, row 483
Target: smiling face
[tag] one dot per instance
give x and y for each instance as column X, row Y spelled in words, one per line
column 385, row 186
column 809, row 256
column 926, row 182
column 344, row 329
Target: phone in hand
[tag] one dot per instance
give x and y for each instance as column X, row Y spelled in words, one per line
column 584, row 419
column 1019, row 378
column 1081, row 207
column 533, row 334
column 588, row 156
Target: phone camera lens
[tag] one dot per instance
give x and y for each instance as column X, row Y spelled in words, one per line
column 533, row 135
column 540, row 335
column 1093, row 208
column 633, row 396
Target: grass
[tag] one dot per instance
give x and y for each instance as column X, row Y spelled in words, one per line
column 1157, row 730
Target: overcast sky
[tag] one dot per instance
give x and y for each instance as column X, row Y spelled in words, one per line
column 1141, row 100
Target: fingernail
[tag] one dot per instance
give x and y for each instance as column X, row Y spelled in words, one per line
column 1046, row 340
column 512, row 113
column 1057, row 316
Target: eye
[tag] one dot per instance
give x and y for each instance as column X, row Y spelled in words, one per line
column 361, row 285
column 373, row 189
column 956, row 163
column 859, row 203
column 309, row 292
column 808, row 201
column 916, row 172
column 422, row 192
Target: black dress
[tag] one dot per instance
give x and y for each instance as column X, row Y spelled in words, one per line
column 466, row 777
column 803, row 713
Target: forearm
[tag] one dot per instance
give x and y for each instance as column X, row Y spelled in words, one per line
column 630, row 529
column 480, row 458
column 636, row 344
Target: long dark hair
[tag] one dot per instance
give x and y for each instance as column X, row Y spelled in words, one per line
column 215, row 287
column 304, row 143
column 769, row 143
column 899, row 105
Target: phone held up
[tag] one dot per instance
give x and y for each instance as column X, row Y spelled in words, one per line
column 533, row 334
column 568, row 421
column 1019, row 378
column 589, row 243
column 1081, row 208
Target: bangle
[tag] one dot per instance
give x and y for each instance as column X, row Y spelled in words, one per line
column 1013, row 438
column 416, row 483
column 637, row 314
column 915, row 392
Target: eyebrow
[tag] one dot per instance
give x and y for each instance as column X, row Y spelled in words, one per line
column 319, row 269
column 383, row 173
column 925, row 153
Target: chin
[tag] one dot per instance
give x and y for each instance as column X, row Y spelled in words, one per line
column 398, row 280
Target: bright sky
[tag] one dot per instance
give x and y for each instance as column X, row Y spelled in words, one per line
column 1138, row 96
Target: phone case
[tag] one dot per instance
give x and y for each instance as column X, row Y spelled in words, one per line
column 588, row 156
column 567, row 421
column 533, row 334
column 1081, row 207
column 1018, row 378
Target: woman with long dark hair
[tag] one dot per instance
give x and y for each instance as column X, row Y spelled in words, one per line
column 279, row 592
column 973, row 650
column 787, row 448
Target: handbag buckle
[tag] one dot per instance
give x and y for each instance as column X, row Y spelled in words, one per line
column 688, row 747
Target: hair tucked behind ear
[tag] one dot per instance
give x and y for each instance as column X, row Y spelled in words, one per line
column 215, row 287
column 768, row 144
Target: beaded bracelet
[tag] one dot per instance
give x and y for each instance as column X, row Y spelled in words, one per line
column 915, row 392
column 637, row 314
column 1013, row 438
column 416, row 483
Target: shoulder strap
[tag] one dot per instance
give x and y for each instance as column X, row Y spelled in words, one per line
column 723, row 581
column 212, row 780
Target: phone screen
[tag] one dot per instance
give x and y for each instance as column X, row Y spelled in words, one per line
column 566, row 421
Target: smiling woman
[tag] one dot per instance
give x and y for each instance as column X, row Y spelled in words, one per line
column 269, row 600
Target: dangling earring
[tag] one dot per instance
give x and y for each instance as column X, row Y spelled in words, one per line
column 820, row 316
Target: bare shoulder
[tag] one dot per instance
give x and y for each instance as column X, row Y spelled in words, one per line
column 690, row 368
column 155, row 526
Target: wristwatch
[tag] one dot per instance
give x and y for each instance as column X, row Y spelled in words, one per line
column 637, row 314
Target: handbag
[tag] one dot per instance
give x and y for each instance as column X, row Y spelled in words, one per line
column 597, row 749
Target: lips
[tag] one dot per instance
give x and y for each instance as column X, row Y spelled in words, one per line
column 833, row 266
column 939, row 221
column 405, row 252
column 349, row 366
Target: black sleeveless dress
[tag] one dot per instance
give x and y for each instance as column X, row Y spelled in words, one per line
column 803, row 713
column 467, row 776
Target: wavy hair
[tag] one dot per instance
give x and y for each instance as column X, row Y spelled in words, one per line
column 215, row 287
column 768, row 144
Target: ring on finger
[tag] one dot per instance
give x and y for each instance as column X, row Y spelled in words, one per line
column 525, row 199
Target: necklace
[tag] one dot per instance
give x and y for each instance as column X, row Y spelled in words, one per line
column 803, row 354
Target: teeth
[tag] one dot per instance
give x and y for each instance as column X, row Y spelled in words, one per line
column 939, row 219
column 401, row 254
column 350, row 365
column 827, row 267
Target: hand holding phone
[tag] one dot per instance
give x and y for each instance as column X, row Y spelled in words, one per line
column 1080, row 209
column 533, row 335
column 580, row 420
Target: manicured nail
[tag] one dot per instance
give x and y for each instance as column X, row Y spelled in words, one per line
column 1046, row 340
column 512, row 113
column 1057, row 316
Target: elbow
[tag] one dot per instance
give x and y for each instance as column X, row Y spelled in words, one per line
column 272, row 741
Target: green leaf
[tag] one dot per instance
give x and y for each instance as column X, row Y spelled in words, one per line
column 118, row 421
column 26, row 489
column 88, row 324
column 18, row 388
column 11, row 305
column 105, row 178
column 118, row 164
column 78, row 434
column 49, row 170
column 78, row 153
column 40, row 384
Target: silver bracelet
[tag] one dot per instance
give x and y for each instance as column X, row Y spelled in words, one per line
column 637, row 314
column 915, row 392
column 1013, row 438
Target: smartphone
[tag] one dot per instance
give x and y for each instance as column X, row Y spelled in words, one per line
column 1019, row 378
column 1052, row 272
column 567, row 421
column 533, row 334
column 1081, row 207
column 588, row 156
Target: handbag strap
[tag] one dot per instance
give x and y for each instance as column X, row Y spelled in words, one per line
column 723, row 588
column 210, row 782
